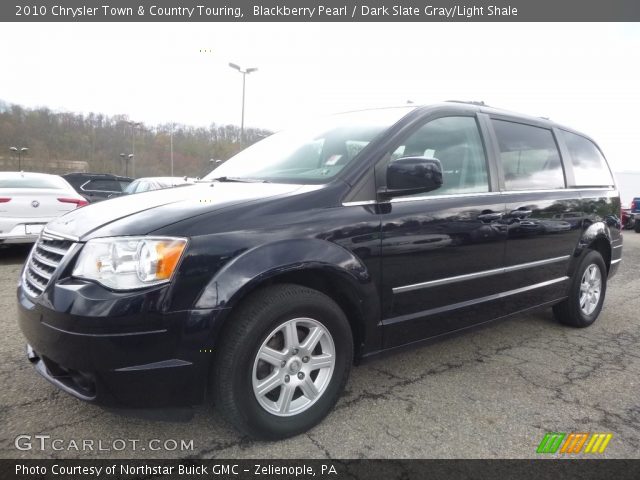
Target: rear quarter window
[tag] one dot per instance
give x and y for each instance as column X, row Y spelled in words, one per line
column 589, row 166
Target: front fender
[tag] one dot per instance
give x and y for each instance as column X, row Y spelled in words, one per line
column 266, row 261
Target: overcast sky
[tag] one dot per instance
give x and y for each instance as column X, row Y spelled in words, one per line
column 584, row 75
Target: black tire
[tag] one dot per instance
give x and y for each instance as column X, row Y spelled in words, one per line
column 636, row 226
column 247, row 329
column 569, row 312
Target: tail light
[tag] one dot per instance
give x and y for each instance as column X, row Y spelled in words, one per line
column 78, row 202
column 4, row 199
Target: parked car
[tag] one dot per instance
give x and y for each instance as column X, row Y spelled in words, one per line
column 261, row 285
column 97, row 186
column 627, row 219
column 634, row 214
column 148, row 184
column 30, row 200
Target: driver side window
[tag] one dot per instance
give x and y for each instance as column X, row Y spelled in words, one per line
column 456, row 142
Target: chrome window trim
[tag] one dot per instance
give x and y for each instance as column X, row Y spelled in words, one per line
column 478, row 194
column 469, row 303
column 451, row 195
column 481, row 274
column 362, row 202
column 556, row 190
column 97, row 191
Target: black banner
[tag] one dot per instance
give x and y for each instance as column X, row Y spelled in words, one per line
column 319, row 469
column 321, row 11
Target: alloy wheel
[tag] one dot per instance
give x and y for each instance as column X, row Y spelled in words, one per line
column 590, row 289
column 293, row 367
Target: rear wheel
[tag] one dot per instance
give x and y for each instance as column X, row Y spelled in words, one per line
column 636, row 226
column 283, row 361
column 586, row 294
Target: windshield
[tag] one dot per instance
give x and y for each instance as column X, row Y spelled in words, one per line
column 311, row 154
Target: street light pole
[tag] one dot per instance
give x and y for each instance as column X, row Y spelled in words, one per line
column 133, row 145
column 172, row 127
column 19, row 151
column 244, row 73
column 126, row 159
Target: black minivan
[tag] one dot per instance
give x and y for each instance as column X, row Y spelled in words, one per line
column 317, row 247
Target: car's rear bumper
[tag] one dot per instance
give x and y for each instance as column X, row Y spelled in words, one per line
column 142, row 359
column 21, row 230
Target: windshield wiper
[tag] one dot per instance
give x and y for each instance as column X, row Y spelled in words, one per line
column 239, row 179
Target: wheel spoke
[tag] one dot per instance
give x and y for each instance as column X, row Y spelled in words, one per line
column 308, row 388
column 286, row 395
column 583, row 300
column 320, row 361
column 290, row 335
column 272, row 356
column 312, row 339
column 584, row 287
column 272, row 381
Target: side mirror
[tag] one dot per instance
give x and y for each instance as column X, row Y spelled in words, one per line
column 410, row 175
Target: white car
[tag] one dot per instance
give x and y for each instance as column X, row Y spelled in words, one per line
column 28, row 201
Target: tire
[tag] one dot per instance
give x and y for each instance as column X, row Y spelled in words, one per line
column 260, row 324
column 636, row 226
column 571, row 312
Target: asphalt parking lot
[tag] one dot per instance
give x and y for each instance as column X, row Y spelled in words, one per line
column 490, row 393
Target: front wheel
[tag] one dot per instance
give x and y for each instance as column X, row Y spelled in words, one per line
column 283, row 361
column 586, row 294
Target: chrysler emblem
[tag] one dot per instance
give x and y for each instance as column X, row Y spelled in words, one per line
column 35, row 204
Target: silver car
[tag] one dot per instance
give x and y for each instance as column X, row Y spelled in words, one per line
column 28, row 201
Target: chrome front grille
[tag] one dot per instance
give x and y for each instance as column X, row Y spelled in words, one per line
column 45, row 257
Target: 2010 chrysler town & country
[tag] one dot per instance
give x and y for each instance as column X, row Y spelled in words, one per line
column 316, row 247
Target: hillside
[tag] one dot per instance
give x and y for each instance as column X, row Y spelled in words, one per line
column 59, row 142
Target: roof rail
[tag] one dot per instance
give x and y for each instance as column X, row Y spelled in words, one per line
column 470, row 102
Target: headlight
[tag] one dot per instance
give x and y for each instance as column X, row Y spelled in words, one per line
column 126, row 263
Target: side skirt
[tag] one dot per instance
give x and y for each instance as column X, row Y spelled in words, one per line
column 454, row 333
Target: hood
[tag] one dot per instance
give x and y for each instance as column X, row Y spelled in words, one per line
column 142, row 213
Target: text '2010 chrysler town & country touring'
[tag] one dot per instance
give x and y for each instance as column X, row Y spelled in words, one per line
column 260, row 286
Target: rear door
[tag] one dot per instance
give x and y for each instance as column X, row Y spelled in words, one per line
column 543, row 219
column 442, row 251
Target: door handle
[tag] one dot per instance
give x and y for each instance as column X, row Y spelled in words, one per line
column 490, row 216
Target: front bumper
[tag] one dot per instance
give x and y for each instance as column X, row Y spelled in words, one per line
column 122, row 355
